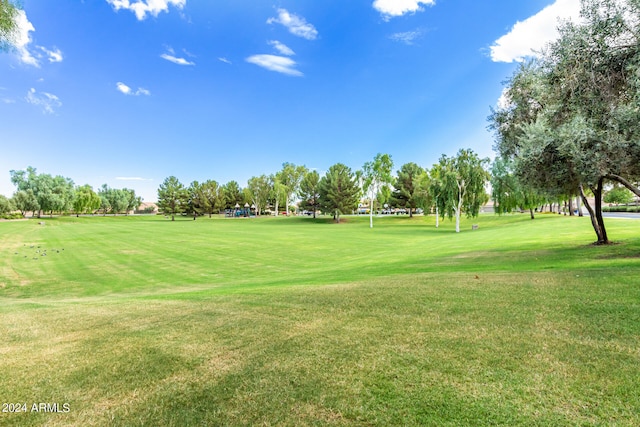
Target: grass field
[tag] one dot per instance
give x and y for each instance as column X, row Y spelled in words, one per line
column 290, row 321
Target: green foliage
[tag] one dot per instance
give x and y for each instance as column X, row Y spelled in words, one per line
column 86, row 200
column 53, row 194
column 339, row 191
column 408, row 192
column 6, row 205
column 618, row 195
column 8, row 24
column 25, row 201
column 173, row 198
column 310, row 191
column 376, row 180
column 458, row 185
column 571, row 119
column 258, row 190
column 288, row 181
column 233, row 195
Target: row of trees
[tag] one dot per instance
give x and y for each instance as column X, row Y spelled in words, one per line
column 454, row 186
column 44, row 193
column 571, row 121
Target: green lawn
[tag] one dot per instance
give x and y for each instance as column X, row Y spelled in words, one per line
column 291, row 321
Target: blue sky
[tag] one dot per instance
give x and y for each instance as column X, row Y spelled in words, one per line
column 128, row 92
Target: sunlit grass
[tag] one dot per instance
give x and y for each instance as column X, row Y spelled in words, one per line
column 141, row 321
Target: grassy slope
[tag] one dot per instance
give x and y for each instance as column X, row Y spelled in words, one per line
column 142, row 321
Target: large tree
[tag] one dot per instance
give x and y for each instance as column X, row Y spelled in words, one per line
column 509, row 193
column 462, row 181
column 85, row 200
column 212, row 197
column 376, row 177
column 339, row 191
column 309, row 192
column 408, row 192
column 571, row 121
column 289, row 177
column 172, row 197
column 53, row 194
column 25, row 201
column 258, row 189
column 232, row 195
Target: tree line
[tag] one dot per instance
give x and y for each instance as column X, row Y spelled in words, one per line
column 455, row 185
column 41, row 193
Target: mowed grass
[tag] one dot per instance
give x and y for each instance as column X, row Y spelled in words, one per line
column 291, row 321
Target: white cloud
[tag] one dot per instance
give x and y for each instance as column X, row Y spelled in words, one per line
column 225, row 60
column 52, row 55
column 28, row 54
column 391, row 8
column 407, row 37
column 22, row 39
column 531, row 35
column 282, row 48
column 176, row 60
column 47, row 101
column 143, row 7
column 296, row 25
column 128, row 91
column 280, row 64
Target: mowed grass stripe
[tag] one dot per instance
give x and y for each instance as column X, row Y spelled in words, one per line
column 216, row 322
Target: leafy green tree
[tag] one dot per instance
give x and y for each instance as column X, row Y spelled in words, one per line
column 172, row 197
column 114, row 199
column 53, row 194
column 6, row 205
column 258, row 189
column 278, row 191
column 572, row 122
column 233, row 195
column 618, row 195
column 463, row 180
column 133, row 201
column 8, row 24
column 339, row 191
column 508, row 193
column 309, row 192
column 25, row 201
column 376, row 175
column 408, row 193
column 213, row 198
column 289, row 177
column 85, row 200
column 196, row 203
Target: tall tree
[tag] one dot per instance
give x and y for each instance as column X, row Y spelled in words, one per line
column 213, row 197
column 259, row 188
column 85, row 200
column 376, row 175
column 571, row 121
column 408, row 192
column 172, row 197
column 25, row 201
column 195, row 200
column 290, row 177
column 133, row 201
column 310, row 191
column 339, row 190
column 463, row 181
column 232, row 195
column 509, row 193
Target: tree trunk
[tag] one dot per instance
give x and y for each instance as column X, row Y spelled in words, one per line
column 594, row 222
column 571, row 213
column 173, row 218
column 598, row 195
column 370, row 212
column 531, row 212
column 410, row 212
column 578, row 200
column 437, row 218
